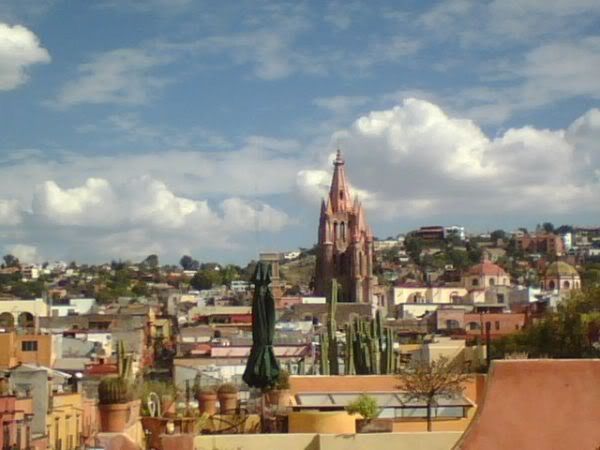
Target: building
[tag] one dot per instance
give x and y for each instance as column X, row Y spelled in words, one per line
column 345, row 243
column 71, row 306
column 454, row 232
column 545, row 243
column 22, row 313
column 26, row 349
column 431, row 233
column 485, row 275
column 560, row 276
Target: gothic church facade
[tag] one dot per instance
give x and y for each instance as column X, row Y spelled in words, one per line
column 345, row 243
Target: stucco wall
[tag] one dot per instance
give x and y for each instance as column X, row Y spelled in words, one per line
column 396, row 441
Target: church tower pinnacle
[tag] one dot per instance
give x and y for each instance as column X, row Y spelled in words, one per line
column 345, row 247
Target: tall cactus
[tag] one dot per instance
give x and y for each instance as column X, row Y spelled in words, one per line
column 332, row 330
column 369, row 347
column 324, row 356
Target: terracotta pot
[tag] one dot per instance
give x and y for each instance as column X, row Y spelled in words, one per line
column 279, row 397
column 228, row 402
column 114, row 418
column 207, row 403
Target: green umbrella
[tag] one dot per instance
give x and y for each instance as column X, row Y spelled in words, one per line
column 262, row 369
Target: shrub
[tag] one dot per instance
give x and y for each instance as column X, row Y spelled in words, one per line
column 364, row 405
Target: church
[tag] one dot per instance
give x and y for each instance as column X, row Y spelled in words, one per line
column 345, row 243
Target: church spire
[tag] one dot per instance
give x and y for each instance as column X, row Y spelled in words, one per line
column 339, row 194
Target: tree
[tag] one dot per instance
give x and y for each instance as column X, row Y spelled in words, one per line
column 205, row 279
column 414, row 246
column 189, row 263
column 428, row 381
column 497, row 235
column 548, row 227
column 11, row 261
column 151, row 262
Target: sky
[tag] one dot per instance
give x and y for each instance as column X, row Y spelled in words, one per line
column 132, row 127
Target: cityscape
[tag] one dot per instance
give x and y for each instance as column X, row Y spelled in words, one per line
column 297, row 225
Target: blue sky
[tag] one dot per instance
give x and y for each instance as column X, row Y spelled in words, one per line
column 181, row 126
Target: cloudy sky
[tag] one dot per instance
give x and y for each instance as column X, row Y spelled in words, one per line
column 130, row 127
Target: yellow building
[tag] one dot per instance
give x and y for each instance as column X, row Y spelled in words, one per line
column 64, row 422
column 26, row 349
column 20, row 312
column 425, row 294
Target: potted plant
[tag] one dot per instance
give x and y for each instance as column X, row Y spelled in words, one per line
column 367, row 407
column 228, row 398
column 207, row 400
column 115, row 395
column 279, row 393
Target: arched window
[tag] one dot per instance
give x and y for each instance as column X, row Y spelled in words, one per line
column 551, row 285
column 492, row 281
column 475, row 282
column 335, row 231
column 567, row 285
column 7, row 320
column 343, row 231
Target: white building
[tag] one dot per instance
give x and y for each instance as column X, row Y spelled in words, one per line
column 240, row 285
column 71, row 306
column 454, row 231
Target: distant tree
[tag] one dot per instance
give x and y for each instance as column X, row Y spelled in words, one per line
column 590, row 276
column 11, row 261
column 118, row 265
column 140, row 289
column 428, row 381
column 498, row 234
column 189, row 263
column 548, row 227
column 414, row 246
column 205, row 279
column 564, row 229
column 151, row 262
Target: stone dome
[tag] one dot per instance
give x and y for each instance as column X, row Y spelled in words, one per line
column 560, row 269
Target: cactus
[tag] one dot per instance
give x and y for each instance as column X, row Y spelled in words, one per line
column 324, row 356
column 118, row 389
column 332, row 329
column 112, row 390
column 369, row 347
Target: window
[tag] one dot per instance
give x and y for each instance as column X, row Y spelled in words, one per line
column 551, row 285
column 500, row 298
column 29, row 346
column 566, row 285
column 492, row 281
column 497, row 325
column 475, row 282
column 473, row 326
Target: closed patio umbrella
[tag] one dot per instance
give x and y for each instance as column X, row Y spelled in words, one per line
column 262, row 369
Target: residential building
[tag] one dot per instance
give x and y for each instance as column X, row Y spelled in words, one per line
column 345, row 243
column 431, row 233
column 454, row 232
column 22, row 313
column 545, row 243
column 26, row 349
column 61, row 307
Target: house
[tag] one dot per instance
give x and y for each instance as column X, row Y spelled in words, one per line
column 61, row 307
column 26, row 349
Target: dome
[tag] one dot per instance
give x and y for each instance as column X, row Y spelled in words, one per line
column 561, row 269
column 487, row 268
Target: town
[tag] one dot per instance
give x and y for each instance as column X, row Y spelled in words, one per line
column 143, row 355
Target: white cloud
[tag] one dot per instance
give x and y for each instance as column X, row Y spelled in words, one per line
column 10, row 213
column 416, row 160
column 122, row 76
column 19, row 49
column 27, row 254
column 142, row 215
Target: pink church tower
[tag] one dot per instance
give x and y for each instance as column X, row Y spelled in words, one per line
column 345, row 245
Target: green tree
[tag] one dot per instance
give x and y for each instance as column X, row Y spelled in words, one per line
column 414, row 246
column 189, row 263
column 151, row 262
column 11, row 261
column 548, row 227
column 205, row 279
column 498, row 234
